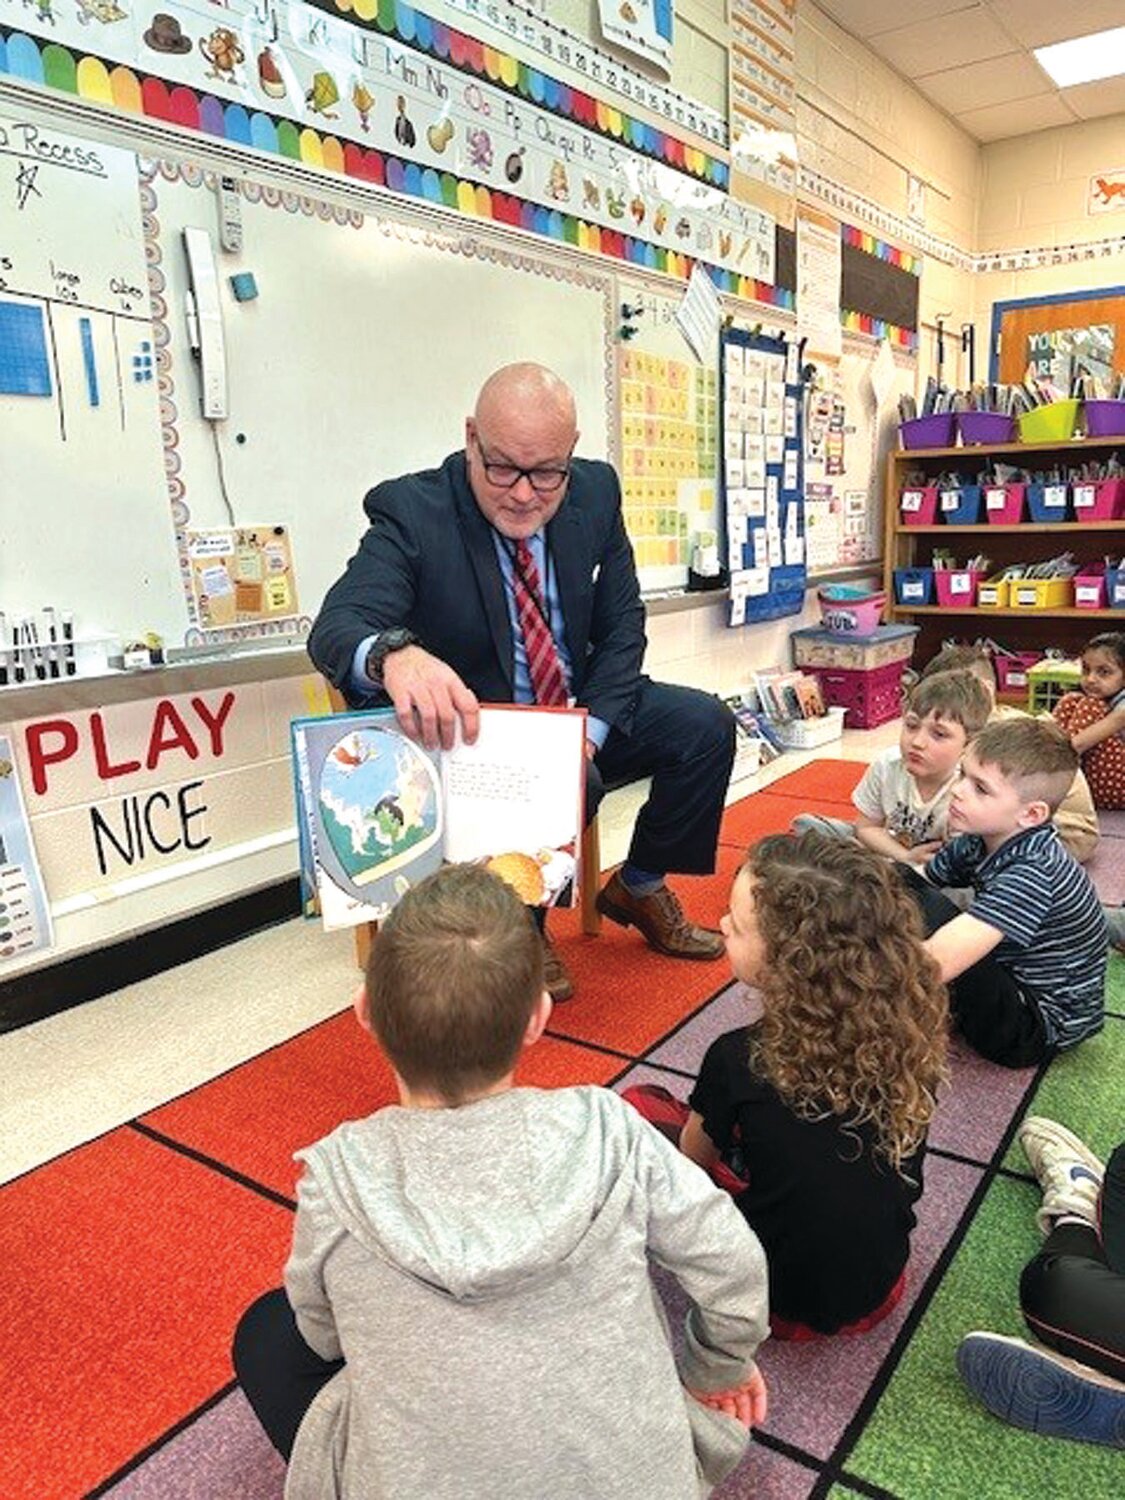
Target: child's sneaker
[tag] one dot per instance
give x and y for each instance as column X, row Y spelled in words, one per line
column 1068, row 1171
column 1042, row 1391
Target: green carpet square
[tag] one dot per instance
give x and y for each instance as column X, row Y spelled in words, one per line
column 1082, row 1089
column 928, row 1439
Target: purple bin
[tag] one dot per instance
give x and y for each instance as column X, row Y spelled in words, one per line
column 928, row 432
column 1105, row 418
column 985, row 427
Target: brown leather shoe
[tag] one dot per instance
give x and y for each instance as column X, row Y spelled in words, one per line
column 660, row 917
column 556, row 981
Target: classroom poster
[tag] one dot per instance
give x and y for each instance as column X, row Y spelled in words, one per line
column 25, row 918
column 643, row 27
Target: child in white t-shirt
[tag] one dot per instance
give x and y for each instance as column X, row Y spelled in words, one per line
column 903, row 798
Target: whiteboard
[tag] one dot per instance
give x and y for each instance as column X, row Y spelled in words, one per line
column 358, row 360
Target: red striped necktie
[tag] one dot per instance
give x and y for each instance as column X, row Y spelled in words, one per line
column 548, row 681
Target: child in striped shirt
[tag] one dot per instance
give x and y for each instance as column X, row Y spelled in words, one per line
column 1025, row 964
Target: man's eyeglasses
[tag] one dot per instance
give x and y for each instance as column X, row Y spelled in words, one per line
column 545, row 481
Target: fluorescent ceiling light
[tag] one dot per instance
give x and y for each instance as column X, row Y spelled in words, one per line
column 1084, row 58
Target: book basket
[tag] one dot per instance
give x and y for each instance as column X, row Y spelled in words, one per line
column 807, row 734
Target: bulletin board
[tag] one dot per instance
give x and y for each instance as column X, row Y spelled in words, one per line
column 358, row 360
column 669, row 437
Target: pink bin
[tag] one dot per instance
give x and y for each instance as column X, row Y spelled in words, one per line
column 1098, row 499
column 1089, row 588
column 919, row 507
column 1003, row 504
column 957, row 587
column 1011, row 670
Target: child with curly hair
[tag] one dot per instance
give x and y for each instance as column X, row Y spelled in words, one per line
column 1094, row 719
column 822, row 1106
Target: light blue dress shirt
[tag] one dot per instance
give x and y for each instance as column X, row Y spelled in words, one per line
column 596, row 729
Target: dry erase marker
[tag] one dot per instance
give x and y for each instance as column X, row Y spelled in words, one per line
column 20, row 670
column 3, row 649
column 52, row 640
column 68, row 641
column 36, row 651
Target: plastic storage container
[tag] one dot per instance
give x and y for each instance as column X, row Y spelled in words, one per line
column 919, row 507
column 1047, row 503
column 1004, row 503
column 995, row 593
column 869, row 698
column 806, row 734
column 850, row 611
column 1011, row 671
column 1104, row 418
column 936, row 431
column 1115, row 588
column 1089, row 587
column 956, row 587
column 961, row 506
column 1053, row 423
column 1048, row 680
column 815, row 647
column 1098, row 499
column 1042, row 593
column 985, row 427
column 914, row 586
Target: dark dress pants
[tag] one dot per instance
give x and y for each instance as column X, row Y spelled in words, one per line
column 684, row 740
column 990, row 1010
column 1073, row 1293
column 278, row 1372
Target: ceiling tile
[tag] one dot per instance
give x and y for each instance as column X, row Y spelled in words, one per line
column 866, row 18
column 996, row 80
column 1106, row 97
column 1018, row 117
column 948, row 41
column 1038, row 23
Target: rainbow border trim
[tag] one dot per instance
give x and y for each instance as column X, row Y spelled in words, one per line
column 871, row 244
column 88, row 77
column 471, row 55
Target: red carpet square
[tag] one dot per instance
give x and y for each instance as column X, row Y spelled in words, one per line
column 126, row 1267
column 255, row 1117
column 835, row 780
column 747, row 822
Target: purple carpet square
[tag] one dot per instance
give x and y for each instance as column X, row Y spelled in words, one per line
column 736, row 1006
column 1111, row 825
column 816, row 1388
column 1107, row 869
column 223, row 1452
column 975, row 1112
column 766, row 1475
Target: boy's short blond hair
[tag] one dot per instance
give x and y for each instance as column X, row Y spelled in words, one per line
column 975, row 659
column 452, row 980
column 1033, row 754
column 958, row 696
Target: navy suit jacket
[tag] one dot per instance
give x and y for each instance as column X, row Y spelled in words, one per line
column 428, row 561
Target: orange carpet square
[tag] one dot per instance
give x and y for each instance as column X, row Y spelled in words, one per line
column 834, row 780
column 746, row 822
column 126, row 1267
column 254, row 1118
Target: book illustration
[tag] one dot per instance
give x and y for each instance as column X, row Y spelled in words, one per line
column 376, row 812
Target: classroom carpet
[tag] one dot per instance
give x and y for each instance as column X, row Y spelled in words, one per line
column 129, row 1259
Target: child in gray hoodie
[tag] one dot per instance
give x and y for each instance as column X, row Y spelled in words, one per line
column 468, row 1310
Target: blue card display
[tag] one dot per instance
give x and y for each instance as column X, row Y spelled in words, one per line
column 24, row 367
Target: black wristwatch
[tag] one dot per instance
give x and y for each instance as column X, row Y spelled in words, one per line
column 393, row 639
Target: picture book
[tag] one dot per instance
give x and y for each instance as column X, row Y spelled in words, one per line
column 377, row 812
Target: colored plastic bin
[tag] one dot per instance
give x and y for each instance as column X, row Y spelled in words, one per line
column 961, row 506
column 995, row 593
column 985, row 427
column 957, row 587
column 1004, row 503
column 935, row 431
column 914, row 586
column 1048, row 680
column 1105, row 418
column 1115, row 588
column 850, row 611
column 1089, row 588
column 1042, row 593
column 1098, row 499
column 1011, row 671
column 869, row 698
column 1053, row 423
column 1047, row 503
column 919, row 507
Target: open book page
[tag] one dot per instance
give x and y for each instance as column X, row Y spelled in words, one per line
column 371, row 806
column 516, row 799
